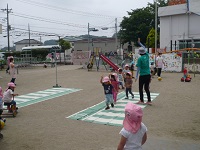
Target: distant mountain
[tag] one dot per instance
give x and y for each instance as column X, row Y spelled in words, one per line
column 72, row 38
column 91, row 36
column 51, row 42
column 6, row 48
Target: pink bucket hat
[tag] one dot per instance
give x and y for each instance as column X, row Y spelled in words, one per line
column 10, row 84
column 126, row 65
column 129, row 73
column 133, row 117
column 106, row 79
column 116, row 77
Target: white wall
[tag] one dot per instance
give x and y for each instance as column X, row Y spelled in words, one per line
column 174, row 26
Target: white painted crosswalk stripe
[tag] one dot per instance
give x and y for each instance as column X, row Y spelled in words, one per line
column 113, row 116
column 32, row 98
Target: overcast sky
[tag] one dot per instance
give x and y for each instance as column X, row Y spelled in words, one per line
column 63, row 17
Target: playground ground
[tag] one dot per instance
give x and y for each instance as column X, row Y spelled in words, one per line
column 173, row 121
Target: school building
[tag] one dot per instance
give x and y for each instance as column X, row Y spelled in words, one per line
column 179, row 25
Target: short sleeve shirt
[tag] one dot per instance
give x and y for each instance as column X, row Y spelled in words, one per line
column 159, row 60
column 143, row 64
column 134, row 140
column 7, row 96
column 120, row 77
column 107, row 88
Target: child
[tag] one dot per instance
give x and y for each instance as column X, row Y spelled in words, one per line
column 115, row 84
column 1, row 102
column 133, row 133
column 185, row 73
column 8, row 96
column 128, row 84
column 1, row 105
column 45, row 66
column 132, row 68
column 105, row 81
column 120, row 78
column 12, row 70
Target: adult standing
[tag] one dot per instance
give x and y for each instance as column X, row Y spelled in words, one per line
column 145, row 77
column 12, row 70
column 159, row 64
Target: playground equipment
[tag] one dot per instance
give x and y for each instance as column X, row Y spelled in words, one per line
column 104, row 58
column 97, row 58
column 187, row 79
column 11, row 110
column 2, row 123
column 91, row 61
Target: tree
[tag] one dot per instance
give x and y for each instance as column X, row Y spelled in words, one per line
column 151, row 37
column 139, row 22
column 64, row 44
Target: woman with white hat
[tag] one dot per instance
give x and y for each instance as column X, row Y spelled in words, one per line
column 145, row 75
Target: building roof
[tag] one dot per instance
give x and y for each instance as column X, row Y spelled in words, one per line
column 96, row 40
column 26, row 41
column 72, row 38
column 172, row 10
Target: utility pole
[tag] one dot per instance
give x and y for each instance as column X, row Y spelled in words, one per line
column 88, row 36
column 29, row 36
column 116, row 42
column 156, row 24
column 8, row 26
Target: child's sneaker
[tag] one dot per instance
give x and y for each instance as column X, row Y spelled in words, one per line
column 132, row 96
column 126, row 97
column 107, row 108
column 112, row 105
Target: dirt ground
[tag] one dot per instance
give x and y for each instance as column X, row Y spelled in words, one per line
column 174, row 117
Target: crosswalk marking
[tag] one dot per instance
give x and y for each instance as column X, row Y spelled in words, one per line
column 113, row 116
column 33, row 98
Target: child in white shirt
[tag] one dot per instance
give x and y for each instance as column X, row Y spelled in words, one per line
column 133, row 133
column 8, row 96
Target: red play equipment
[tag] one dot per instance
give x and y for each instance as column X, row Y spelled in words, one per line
column 104, row 58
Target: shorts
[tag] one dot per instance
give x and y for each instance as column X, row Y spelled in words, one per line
column 1, row 103
column 109, row 98
column 121, row 83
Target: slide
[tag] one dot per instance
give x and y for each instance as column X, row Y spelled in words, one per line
column 104, row 58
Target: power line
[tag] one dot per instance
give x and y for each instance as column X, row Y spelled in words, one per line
column 8, row 26
column 82, row 13
column 48, row 28
column 48, row 20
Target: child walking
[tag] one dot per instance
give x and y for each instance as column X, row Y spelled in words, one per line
column 115, row 84
column 133, row 133
column 8, row 96
column 128, row 84
column 120, row 78
column 1, row 102
column 105, row 81
column 12, row 70
column 185, row 73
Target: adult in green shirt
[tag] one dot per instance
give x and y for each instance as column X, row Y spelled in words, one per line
column 145, row 77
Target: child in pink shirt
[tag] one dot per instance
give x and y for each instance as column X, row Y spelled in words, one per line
column 113, row 78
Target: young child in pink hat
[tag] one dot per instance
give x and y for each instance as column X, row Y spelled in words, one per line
column 128, row 84
column 105, row 81
column 114, row 81
column 133, row 134
column 8, row 96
